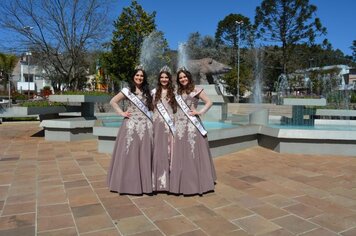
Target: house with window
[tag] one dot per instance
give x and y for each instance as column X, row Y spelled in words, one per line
column 27, row 76
column 351, row 77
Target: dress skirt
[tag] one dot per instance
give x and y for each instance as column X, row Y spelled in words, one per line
column 130, row 171
column 162, row 151
column 193, row 169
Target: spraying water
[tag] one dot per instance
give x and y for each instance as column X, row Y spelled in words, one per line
column 182, row 55
column 282, row 87
column 151, row 56
column 258, row 75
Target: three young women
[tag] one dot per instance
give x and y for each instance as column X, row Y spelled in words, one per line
column 169, row 151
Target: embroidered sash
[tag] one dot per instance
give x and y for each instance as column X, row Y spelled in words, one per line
column 193, row 119
column 138, row 103
column 164, row 113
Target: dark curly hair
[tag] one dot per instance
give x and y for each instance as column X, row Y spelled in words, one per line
column 145, row 88
column 170, row 91
column 190, row 86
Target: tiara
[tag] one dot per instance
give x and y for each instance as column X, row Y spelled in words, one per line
column 139, row 67
column 182, row 68
column 165, row 69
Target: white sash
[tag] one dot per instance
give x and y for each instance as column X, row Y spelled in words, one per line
column 138, row 103
column 164, row 113
column 193, row 119
column 162, row 110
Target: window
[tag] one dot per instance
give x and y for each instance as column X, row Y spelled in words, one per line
column 27, row 77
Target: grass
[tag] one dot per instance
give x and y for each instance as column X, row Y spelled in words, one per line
column 93, row 93
column 40, row 104
column 19, row 119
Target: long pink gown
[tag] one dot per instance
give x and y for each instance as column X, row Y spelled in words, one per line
column 193, row 169
column 130, row 170
column 162, row 154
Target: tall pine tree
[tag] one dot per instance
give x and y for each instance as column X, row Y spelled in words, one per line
column 287, row 23
column 131, row 27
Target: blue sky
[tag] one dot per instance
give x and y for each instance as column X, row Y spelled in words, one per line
column 177, row 19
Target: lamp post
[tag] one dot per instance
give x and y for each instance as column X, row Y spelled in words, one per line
column 9, row 77
column 238, row 25
column 28, row 54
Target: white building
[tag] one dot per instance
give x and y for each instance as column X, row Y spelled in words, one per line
column 28, row 77
column 342, row 75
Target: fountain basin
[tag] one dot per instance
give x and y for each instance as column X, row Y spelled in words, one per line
column 321, row 139
column 223, row 138
column 316, row 140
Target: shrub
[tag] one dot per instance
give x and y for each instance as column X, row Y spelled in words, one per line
column 94, row 93
column 40, row 104
column 18, row 96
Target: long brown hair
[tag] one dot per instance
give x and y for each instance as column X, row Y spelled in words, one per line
column 170, row 91
column 190, row 86
column 145, row 88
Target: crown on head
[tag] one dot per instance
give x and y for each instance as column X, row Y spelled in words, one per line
column 139, row 67
column 165, row 69
column 182, row 68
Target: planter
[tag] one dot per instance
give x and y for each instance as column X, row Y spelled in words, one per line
column 87, row 101
column 79, row 98
column 26, row 111
column 304, row 101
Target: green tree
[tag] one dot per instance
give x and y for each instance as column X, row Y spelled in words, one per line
column 227, row 33
column 353, row 48
column 7, row 64
column 245, row 83
column 235, row 31
column 317, row 55
column 131, row 28
column 287, row 22
column 205, row 46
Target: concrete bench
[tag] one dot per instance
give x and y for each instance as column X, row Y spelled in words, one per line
column 68, row 129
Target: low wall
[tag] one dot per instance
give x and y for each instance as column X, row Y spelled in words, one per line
column 295, row 141
column 221, row 142
column 248, row 108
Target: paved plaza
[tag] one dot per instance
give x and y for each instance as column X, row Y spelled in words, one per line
column 59, row 189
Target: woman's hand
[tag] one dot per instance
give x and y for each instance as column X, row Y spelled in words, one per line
column 194, row 112
column 126, row 114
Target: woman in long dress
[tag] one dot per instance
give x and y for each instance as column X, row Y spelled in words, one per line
column 193, row 169
column 163, row 129
column 130, row 170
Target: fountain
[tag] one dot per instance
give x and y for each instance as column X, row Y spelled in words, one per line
column 294, row 138
column 258, row 76
column 282, row 88
column 152, row 53
column 260, row 115
column 182, row 55
column 331, row 89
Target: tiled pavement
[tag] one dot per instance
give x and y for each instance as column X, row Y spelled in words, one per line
column 58, row 188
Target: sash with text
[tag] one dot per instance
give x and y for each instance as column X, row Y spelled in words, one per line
column 138, row 103
column 193, row 119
